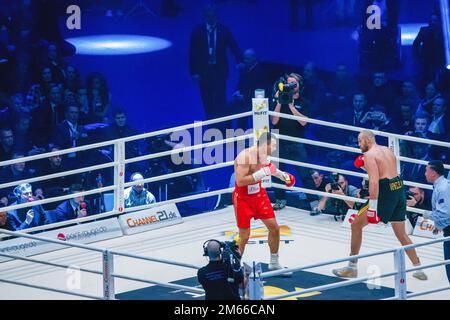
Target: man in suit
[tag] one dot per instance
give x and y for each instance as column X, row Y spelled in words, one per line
column 45, row 118
column 208, row 61
column 24, row 218
column 72, row 208
column 70, row 134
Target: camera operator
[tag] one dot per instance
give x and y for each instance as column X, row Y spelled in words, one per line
column 223, row 275
column 339, row 185
column 289, row 101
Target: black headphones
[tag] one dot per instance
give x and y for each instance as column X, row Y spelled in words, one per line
column 205, row 247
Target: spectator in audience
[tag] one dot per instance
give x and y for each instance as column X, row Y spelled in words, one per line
column 320, row 183
column 421, row 123
column 18, row 104
column 36, row 97
column 14, row 172
column 426, row 104
column 46, row 118
column 23, row 136
column 341, row 88
column 314, row 88
column 380, row 92
column 409, row 93
column 338, row 185
column 253, row 75
column 403, row 120
column 83, row 103
column 25, row 218
column 428, row 49
column 4, row 221
column 55, row 63
column 58, row 186
column 6, row 144
column 417, row 198
column 208, row 61
column 7, row 114
column 439, row 125
column 137, row 195
column 98, row 96
column 376, row 119
column 121, row 129
column 70, row 134
column 353, row 115
column 73, row 208
column 414, row 171
column 72, row 78
column 46, row 81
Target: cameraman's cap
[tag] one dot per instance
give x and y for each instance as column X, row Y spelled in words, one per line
column 437, row 166
column 213, row 248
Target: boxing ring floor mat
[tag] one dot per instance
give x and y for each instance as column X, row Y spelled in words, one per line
column 312, row 240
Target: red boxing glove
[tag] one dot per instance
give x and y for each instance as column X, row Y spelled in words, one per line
column 372, row 216
column 289, row 179
column 359, row 162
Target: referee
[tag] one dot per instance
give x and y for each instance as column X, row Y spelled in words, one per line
column 440, row 202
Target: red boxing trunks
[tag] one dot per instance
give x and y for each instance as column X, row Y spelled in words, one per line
column 249, row 202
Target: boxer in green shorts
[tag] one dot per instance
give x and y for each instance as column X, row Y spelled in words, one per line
column 387, row 201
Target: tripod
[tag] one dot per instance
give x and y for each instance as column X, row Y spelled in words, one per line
column 143, row 5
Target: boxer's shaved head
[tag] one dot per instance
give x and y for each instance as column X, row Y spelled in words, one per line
column 366, row 139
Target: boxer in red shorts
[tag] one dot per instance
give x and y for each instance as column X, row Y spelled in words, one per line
column 250, row 199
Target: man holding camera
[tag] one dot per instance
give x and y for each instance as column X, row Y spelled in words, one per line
column 339, row 185
column 250, row 199
column 220, row 279
column 387, row 201
column 289, row 101
column 417, row 198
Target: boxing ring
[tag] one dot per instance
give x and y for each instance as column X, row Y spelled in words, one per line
column 167, row 257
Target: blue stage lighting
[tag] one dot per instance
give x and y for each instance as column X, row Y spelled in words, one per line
column 117, row 44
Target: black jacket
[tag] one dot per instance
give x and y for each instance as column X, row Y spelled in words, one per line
column 214, row 279
column 198, row 51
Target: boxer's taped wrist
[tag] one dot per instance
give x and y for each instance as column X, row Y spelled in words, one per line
column 373, row 204
column 259, row 175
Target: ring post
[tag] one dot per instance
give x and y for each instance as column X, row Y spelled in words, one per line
column 108, row 279
column 260, row 106
column 400, row 277
column 395, row 146
column 256, row 290
column 119, row 176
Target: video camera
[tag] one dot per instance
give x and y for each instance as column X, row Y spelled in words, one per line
column 287, row 90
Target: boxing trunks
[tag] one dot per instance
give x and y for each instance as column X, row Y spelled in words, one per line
column 249, row 202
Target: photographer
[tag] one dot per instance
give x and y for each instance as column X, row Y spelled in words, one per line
column 339, row 185
column 289, row 101
column 376, row 119
column 222, row 276
column 417, row 198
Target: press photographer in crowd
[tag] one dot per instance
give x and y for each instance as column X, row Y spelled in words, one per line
column 223, row 275
column 417, row 198
column 339, row 186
